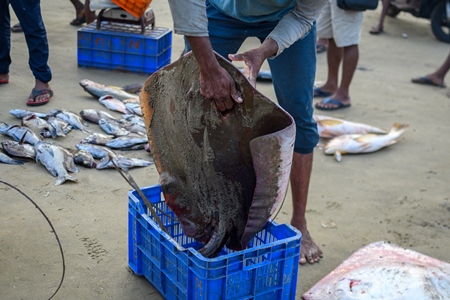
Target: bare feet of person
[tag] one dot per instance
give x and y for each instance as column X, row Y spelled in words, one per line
column 309, row 251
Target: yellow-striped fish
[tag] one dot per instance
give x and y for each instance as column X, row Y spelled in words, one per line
column 363, row 143
column 329, row 127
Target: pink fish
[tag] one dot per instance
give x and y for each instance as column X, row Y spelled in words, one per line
column 384, row 271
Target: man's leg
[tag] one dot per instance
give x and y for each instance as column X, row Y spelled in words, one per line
column 438, row 76
column 300, row 176
column 298, row 64
column 29, row 15
column 334, row 57
column 349, row 63
column 5, row 41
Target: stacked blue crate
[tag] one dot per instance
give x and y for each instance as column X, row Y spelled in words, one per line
column 122, row 47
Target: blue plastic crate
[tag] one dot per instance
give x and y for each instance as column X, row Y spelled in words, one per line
column 122, row 47
column 267, row 269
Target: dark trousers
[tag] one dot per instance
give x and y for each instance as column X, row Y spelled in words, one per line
column 29, row 14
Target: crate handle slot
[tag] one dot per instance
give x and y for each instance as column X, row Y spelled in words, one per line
column 257, row 262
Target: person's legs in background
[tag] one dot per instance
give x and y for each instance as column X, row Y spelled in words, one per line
column 88, row 13
column 80, row 19
column 379, row 27
column 437, row 77
column 5, row 41
column 29, row 15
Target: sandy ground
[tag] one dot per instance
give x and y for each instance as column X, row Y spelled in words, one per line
column 400, row 194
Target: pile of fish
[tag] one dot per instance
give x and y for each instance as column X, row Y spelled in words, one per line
column 351, row 137
column 385, row 271
column 29, row 139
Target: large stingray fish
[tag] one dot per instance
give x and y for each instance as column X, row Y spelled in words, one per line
column 330, row 127
column 384, row 271
column 363, row 143
column 222, row 175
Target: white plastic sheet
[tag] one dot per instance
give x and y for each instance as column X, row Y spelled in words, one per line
column 101, row 4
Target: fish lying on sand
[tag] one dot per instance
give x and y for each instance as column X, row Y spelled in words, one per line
column 84, row 158
column 8, row 160
column 97, row 139
column 21, row 113
column 97, row 152
column 93, row 115
column 39, row 125
column 363, row 143
column 135, row 108
column 57, row 160
column 114, row 104
column 20, row 150
column 122, row 162
column 127, row 141
column 385, row 271
column 111, row 127
column 98, row 90
column 62, row 127
column 71, row 118
column 19, row 133
column 329, row 127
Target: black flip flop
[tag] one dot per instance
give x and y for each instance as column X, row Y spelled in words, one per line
column 16, row 28
column 78, row 21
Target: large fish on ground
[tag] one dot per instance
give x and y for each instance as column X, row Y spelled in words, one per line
column 97, row 139
column 127, row 141
column 20, row 150
column 61, row 127
column 57, row 160
column 19, row 133
column 84, row 158
column 112, row 128
column 363, row 143
column 222, row 175
column 385, row 271
column 98, row 90
column 329, row 127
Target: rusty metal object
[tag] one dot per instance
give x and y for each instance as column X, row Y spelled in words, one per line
column 222, row 175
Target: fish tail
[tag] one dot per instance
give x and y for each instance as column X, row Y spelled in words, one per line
column 15, row 162
column 398, row 129
column 63, row 178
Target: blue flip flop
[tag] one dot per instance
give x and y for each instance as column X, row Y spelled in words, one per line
column 338, row 104
column 318, row 93
column 424, row 80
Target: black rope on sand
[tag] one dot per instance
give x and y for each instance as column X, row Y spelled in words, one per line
column 54, row 232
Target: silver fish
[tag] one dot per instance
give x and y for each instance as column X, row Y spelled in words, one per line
column 112, row 128
column 38, row 125
column 8, row 160
column 61, row 127
column 134, row 108
column 21, row 113
column 363, row 143
column 57, row 161
column 97, row 152
column 134, row 128
column 126, row 141
column 131, row 100
column 84, row 158
column 97, row 139
column 20, row 132
column 112, row 103
column 133, row 119
column 98, row 90
column 122, row 162
column 93, row 115
column 73, row 119
column 20, row 150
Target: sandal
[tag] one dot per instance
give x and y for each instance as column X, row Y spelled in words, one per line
column 16, row 28
column 33, row 101
column 78, row 21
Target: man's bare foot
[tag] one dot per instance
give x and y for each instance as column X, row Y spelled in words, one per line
column 309, row 251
